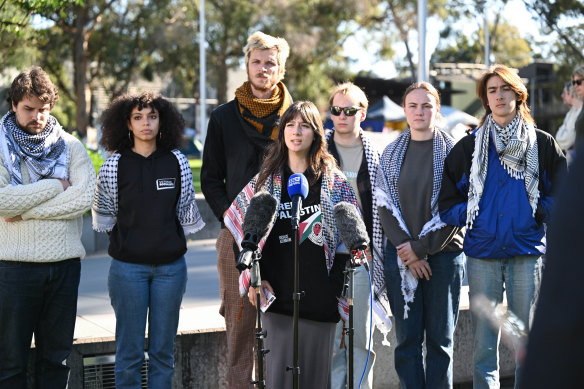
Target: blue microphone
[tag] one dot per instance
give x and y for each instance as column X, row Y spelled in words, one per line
column 297, row 190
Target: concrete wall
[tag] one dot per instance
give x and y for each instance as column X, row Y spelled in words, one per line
column 200, row 358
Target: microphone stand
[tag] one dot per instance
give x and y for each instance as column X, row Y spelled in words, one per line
column 256, row 282
column 296, row 297
column 355, row 258
column 349, row 288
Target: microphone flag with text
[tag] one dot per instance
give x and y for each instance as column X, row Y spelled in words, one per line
column 258, row 219
column 297, row 190
column 353, row 232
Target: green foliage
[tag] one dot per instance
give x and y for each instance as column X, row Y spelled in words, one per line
column 96, row 158
column 508, row 47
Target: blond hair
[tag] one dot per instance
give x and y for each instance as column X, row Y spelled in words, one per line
column 260, row 41
column 352, row 90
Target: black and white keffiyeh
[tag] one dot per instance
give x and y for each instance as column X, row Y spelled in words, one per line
column 44, row 155
column 516, row 146
column 387, row 195
column 105, row 203
column 381, row 308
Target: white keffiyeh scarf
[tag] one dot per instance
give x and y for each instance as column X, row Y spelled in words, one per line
column 105, row 203
column 387, row 195
column 44, row 155
column 381, row 308
column 516, row 146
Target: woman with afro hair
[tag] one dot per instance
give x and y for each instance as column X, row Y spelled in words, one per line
column 145, row 201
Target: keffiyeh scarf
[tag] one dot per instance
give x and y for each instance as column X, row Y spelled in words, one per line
column 105, row 203
column 387, row 195
column 44, row 155
column 516, row 146
column 334, row 189
column 380, row 306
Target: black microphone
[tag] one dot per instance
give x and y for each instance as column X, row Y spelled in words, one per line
column 260, row 215
column 297, row 190
column 353, row 232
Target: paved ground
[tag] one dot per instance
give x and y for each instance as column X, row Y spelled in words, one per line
column 200, row 306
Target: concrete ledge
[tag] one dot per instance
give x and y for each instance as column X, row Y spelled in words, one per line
column 200, row 356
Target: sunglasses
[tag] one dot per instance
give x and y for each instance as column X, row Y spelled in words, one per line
column 574, row 82
column 349, row 111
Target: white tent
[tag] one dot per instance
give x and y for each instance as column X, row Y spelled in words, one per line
column 386, row 110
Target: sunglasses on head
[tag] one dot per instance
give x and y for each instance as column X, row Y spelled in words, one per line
column 349, row 111
column 577, row 82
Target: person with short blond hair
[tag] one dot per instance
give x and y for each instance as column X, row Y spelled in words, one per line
column 238, row 135
column 499, row 182
column 358, row 159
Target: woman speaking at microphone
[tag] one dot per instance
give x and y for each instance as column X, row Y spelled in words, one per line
column 299, row 148
column 423, row 256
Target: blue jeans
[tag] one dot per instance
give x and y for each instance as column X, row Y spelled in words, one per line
column 434, row 312
column 520, row 279
column 138, row 291
column 39, row 298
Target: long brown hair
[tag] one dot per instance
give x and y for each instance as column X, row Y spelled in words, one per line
column 511, row 78
column 318, row 156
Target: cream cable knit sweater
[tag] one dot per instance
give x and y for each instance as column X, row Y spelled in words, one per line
column 52, row 218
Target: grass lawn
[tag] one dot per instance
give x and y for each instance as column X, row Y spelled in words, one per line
column 194, row 163
column 196, row 169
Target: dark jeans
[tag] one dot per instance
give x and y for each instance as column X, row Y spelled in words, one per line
column 39, row 298
column 433, row 313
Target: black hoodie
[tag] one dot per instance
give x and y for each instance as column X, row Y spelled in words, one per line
column 148, row 230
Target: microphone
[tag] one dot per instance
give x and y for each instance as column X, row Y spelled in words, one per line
column 297, row 190
column 260, row 215
column 353, row 232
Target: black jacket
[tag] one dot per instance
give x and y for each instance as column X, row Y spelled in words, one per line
column 232, row 156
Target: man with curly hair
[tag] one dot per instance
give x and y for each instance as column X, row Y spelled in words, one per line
column 46, row 184
column 239, row 132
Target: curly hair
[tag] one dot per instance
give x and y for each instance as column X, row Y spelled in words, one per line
column 33, row 82
column 318, row 156
column 510, row 77
column 114, row 122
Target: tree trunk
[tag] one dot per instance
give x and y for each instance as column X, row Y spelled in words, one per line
column 221, row 80
column 80, row 56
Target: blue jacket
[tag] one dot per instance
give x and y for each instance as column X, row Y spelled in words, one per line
column 505, row 226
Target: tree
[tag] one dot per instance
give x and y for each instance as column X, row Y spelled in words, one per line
column 77, row 22
column 507, row 47
column 550, row 15
column 316, row 31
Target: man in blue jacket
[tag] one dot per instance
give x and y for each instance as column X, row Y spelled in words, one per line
column 498, row 182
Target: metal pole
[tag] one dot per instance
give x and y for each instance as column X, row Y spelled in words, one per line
column 423, row 65
column 202, row 73
column 487, row 40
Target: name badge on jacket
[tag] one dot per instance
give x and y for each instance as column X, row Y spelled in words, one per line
column 165, row 183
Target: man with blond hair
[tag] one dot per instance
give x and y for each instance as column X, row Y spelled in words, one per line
column 358, row 158
column 238, row 135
